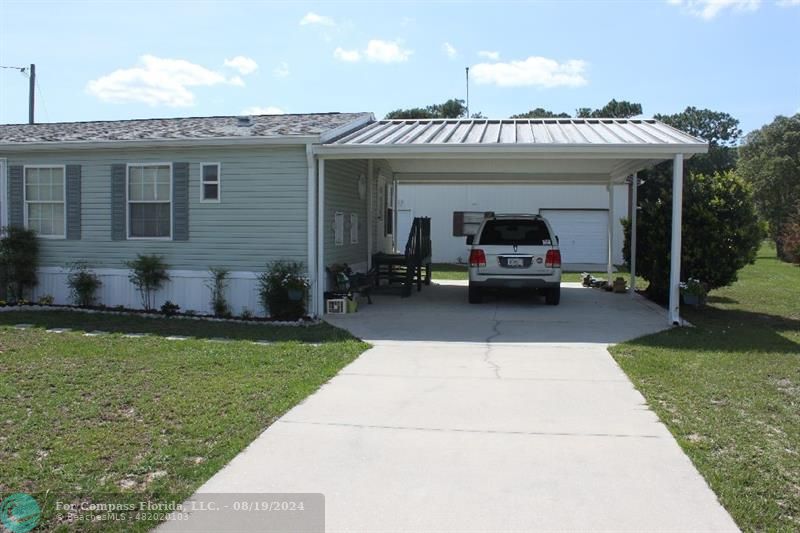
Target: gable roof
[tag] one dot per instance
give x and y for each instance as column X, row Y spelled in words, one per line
column 277, row 128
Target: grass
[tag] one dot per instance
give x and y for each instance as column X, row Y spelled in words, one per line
column 729, row 391
column 108, row 417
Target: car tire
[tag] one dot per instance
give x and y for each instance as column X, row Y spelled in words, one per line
column 553, row 296
column 475, row 295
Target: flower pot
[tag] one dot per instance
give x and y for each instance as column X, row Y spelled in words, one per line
column 294, row 295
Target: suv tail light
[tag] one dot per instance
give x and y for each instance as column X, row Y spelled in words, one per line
column 553, row 259
column 477, row 258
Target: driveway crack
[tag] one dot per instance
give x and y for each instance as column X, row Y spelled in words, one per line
column 487, row 354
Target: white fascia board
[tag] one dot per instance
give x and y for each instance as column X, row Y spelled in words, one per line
column 160, row 143
column 473, row 151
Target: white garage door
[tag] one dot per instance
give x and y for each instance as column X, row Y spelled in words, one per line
column 582, row 234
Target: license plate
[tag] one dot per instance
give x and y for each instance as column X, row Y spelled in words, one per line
column 515, row 262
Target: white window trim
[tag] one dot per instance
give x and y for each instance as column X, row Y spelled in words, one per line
column 338, row 238
column 218, row 199
column 128, row 202
column 25, row 198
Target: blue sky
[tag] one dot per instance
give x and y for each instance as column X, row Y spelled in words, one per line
column 119, row 59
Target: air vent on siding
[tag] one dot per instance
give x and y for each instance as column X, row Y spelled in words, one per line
column 243, row 121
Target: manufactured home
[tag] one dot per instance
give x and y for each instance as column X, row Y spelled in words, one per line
column 239, row 192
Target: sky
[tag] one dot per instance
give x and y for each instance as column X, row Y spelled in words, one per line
column 119, row 59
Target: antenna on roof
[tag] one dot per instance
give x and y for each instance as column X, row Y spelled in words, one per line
column 467, row 92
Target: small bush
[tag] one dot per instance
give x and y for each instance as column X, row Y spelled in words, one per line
column 246, row 314
column 282, row 289
column 46, row 299
column 218, row 284
column 790, row 237
column 19, row 258
column 83, row 284
column 148, row 275
column 170, row 309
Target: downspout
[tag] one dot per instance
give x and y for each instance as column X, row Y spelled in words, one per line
column 311, row 265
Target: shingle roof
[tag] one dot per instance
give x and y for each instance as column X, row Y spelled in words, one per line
column 261, row 126
column 487, row 132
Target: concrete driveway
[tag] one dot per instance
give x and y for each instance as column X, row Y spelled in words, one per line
column 507, row 416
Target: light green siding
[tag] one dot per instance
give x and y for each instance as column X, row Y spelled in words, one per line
column 341, row 194
column 262, row 215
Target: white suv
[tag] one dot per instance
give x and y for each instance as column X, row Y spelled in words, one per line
column 515, row 252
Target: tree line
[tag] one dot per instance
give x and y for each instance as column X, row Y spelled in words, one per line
column 745, row 188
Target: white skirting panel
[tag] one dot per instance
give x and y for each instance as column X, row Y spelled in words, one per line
column 187, row 288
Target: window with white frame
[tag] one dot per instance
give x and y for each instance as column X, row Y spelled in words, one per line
column 45, row 212
column 210, row 182
column 354, row 228
column 150, row 201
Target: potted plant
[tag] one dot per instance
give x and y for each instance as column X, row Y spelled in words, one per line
column 283, row 289
column 693, row 292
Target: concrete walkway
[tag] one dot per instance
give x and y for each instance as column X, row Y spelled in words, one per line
column 507, row 416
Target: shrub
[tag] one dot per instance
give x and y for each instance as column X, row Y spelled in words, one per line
column 218, row 284
column 790, row 237
column 170, row 309
column 46, row 299
column 282, row 289
column 721, row 232
column 83, row 284
column 19, row 258
column 148, row 274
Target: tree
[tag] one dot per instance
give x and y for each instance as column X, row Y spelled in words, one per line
column 453, row 108
column 719, row 129
column 541, row 113
column 721, row 231
column 613, row 109
column 770, row 161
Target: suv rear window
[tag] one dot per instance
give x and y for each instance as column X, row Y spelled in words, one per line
column 522, row 232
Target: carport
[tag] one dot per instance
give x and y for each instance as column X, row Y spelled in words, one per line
column 540, row 151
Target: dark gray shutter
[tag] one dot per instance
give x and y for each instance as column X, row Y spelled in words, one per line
column 16, row 198
column 73, row 202
column 180, row 201
column 118, row 208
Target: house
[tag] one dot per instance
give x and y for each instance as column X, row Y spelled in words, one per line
column 239, row 192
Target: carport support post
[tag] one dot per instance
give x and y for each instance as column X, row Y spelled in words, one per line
column 634, row 213
column 370, row 208
column 610, row 265
column 675, row 251
column 320, row 297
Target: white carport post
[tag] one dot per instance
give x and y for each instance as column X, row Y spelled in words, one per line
column 312, row 226
column 675, row 251
column 368, row 221
column 634, row 213
column 610, row 265
column 320, row 296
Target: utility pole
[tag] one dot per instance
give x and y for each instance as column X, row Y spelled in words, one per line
column 467, row 92
column 31, row 92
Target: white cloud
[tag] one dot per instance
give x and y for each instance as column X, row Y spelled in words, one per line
column 259, row 110
column 488, row 54
column 449, row 50
column 157, row 81
column 709, row 9
column 282, row 70
column 244, row 65
column 534, row 71
column 312, row 18
column 348, row 56
column 386, row 52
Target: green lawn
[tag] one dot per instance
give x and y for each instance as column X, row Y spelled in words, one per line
column 149, row 417
column 729, row 391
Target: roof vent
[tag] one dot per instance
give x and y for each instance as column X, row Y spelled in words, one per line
column 243, row 121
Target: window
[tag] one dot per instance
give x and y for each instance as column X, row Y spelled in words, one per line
column 150, row 201
column 338, row 228
column 354, row 228
column 209, row 186
column 45, row 212
column 510, row 232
